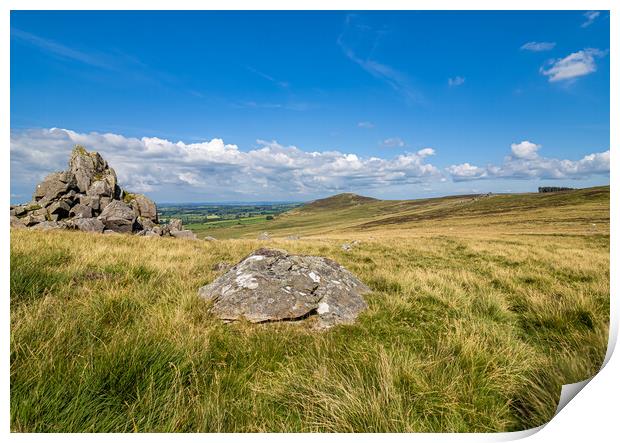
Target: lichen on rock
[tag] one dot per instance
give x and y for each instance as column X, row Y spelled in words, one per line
column 273, row 285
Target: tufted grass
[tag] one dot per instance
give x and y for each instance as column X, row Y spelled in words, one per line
column 465, row 332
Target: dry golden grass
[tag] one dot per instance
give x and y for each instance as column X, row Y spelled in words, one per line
column 469, row 328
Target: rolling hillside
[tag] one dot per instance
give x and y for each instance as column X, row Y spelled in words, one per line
column 345, row 215
column 480, row 310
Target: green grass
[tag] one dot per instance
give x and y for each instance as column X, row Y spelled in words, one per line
column 202, row 229
column 470, row 329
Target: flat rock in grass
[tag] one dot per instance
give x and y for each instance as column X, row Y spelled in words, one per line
column 273, row 285
column 186, row 233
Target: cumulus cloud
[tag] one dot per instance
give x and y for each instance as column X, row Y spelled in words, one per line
column 365, row 125
column 465, row 171
column 214, row 168
column 538, row 46
column 590, row 17
column 456, row 81
column 575, row 65
column 393, row 142
column 525, row 149
column 425, row 152
column 525, row 163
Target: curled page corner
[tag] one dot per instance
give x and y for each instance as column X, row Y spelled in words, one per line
column 569, row 391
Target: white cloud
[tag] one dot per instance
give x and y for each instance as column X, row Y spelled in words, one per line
column 365, row 125
column 465, row 171
column 393, row 142
column 526, row 163
column 525, row 149
column 426, row 152
column 590, row 17
column 575, row 65
column 213, row 169
column 538, row 46
column 456, row 81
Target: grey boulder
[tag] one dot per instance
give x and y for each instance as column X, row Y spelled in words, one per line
column 19, row 210
column 90, row 224
column 144, row 223
column 144, row 207
column 101, row 188
column 17, row 222
column 53, row 186
column 118, row 217
column 175, row 224
column 60, row 209
column 90, row 201
column 81, row 211
column 88, row 167
column 49, row 225
column 272, row 285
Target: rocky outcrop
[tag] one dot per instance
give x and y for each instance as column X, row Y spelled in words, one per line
column 273, row 285
column 87, row 197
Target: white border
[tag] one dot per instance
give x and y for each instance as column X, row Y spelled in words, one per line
column 591, row 417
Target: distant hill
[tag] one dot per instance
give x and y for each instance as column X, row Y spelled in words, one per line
column 338, row 201
column 343, row 214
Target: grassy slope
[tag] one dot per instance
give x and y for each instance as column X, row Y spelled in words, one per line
column 474, row 322
column 566, row 212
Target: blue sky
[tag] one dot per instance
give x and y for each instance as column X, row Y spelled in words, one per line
column 211, row 106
